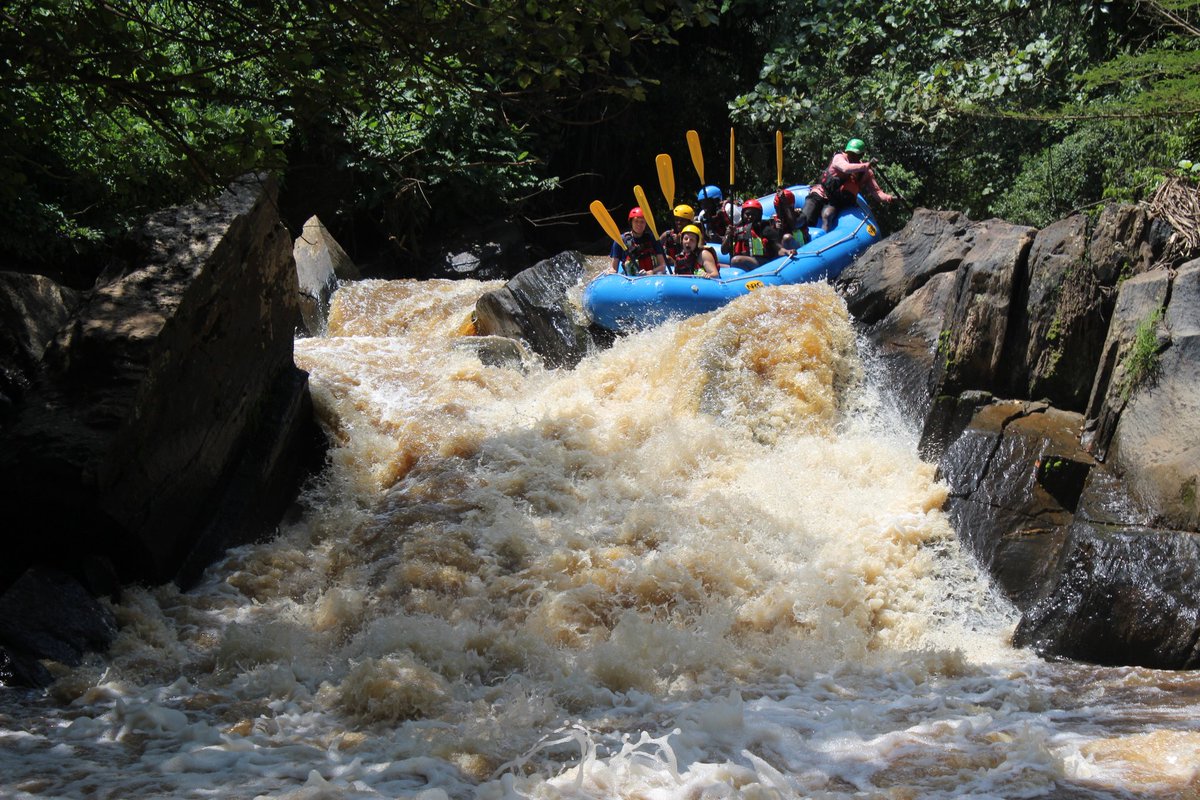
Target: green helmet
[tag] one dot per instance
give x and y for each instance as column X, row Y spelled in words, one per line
column 855, row 146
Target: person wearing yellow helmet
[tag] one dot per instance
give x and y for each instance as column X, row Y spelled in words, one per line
column 642, row 253
column 684, row 215
column 694, row 260
column 846, row 177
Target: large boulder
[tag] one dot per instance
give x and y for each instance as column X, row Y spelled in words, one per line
column 906, row 343
column 1060, row 319
column 1139, row 304
column 1156, row 445
column 1122, row 594
column 169, row 419
column 973, row 341
column 931, row 243
column 493, row 252
column 320, row 264
column 47, row 614
column 534, row 307
column 1016, row 475
column 32, row 309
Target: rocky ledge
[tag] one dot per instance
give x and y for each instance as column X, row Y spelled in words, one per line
column 1055, row 374
column 149, row 423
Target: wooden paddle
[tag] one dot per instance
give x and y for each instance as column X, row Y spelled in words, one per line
column 693, row 140
column 666, row 178
column 606, row 221
column 641, row 199
column 779, row 159
column 731, row 193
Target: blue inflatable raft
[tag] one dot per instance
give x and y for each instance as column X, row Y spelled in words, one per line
column 624, row 303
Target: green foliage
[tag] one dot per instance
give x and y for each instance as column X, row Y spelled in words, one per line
column 110, row 108
column 963, row 95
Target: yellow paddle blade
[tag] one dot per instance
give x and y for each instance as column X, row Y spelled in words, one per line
column 731, row 160
column 693, row 140
column 606, row 221
column 641, row 199
column 666, row 178
column 779, row 159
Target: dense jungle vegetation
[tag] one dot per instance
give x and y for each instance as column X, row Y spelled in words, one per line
column 399, row 121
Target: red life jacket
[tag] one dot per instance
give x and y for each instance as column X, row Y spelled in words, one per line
column 639, row 252
column 746, row 241
column 689, row 263
column 671, row 244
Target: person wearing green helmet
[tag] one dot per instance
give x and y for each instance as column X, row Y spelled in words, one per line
column 846, row 177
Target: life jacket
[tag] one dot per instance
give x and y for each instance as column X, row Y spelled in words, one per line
column 746, row 241
column 639, row 253
column 835, row 182
column 671, row 244
column 714, row 226
column 689, row 263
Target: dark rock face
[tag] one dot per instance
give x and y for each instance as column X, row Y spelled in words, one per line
column 495, row 252
column 32, row 309
column 533, row 307
column 1123, row 595
column 933, row 242
column 46, row 614
column 1058, row 312
column 320, row 264
column 168, row 402
column 1016, row 474
column 1092, row 536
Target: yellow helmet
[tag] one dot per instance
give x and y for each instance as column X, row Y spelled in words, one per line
column 692, row 229
column 684, row 211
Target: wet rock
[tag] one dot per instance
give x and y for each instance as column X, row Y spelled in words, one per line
column 46, row 614
column 906, row 342
column 320, row 264
column 170, row 394
column 534, row 308
column 495, row 252
column 947, row 418
column 496, row 351
column 1016, row 475
column 1122, row 595
column 32, row 309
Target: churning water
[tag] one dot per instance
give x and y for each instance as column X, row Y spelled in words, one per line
column 706, row 563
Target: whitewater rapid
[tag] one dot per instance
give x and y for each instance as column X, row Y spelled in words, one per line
column 706, row 563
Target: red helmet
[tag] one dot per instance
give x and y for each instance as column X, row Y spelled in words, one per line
column 752, row 206
column 784, row 197
column 636, row 213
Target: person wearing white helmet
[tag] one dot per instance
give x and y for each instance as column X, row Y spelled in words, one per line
column 846, row 177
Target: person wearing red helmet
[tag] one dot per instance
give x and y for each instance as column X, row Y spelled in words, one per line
column 846, row 177
column 753, row 241
column 787, row 222
column 643, row 254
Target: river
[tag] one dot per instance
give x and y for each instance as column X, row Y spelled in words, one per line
column 707, row 563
